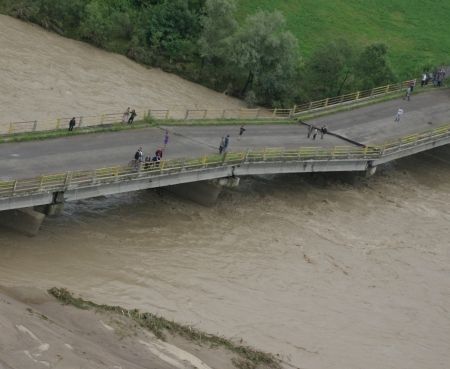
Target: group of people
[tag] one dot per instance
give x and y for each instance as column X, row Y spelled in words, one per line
column 225, row 140
column 436, row 77
column 149, row 159
column 314, row 131
column 128, row 116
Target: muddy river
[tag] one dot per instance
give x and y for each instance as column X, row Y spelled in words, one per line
column 329, row 271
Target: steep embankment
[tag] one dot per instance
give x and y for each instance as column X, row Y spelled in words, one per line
column 413, row 30
column 46, row 76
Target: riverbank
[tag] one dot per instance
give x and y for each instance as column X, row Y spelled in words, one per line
column 39, row 331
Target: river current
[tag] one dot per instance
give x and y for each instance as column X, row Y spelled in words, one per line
column 329, row 271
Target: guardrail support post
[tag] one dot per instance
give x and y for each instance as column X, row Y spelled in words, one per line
column 58, row 123
column 11, row 128
column 67, row 180
column 205, row 113
column 186, row 115
column 224, row 113
column 35, row 126
column 80, row 122
column 357, row 95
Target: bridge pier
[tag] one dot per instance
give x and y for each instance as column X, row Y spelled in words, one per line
column 26, row 221
column 370, row 170
column 204, row 193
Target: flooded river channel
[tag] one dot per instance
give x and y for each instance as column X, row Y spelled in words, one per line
column 329, row 271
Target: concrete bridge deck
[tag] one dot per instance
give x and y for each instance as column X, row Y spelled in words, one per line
column 372, row 124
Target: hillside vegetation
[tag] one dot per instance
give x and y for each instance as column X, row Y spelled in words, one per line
column 415, row 31
column 269, row 52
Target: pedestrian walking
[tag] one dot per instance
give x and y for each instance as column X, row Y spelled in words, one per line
column 310, row 129
column 126, row 115
column 412, row 84
column 323, row 131
column 72, row 124
column 398, row 115
column 166, row 138
column 241, row 130
column 226, row 143
column 408, row 94
column 133, row 114
column 316, row 131
column 222, row 142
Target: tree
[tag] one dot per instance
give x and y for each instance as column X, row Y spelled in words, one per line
column 372, row 68
column 265, row 57
column 330, row 70
column 218, row 29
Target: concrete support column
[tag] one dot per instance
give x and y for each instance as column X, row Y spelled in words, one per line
column 26, row 221
column 205, row 192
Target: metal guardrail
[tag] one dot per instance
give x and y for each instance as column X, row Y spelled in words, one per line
column 201, row 114
column 79, row 179
column 349, row 98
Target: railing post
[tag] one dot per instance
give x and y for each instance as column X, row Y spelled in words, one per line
column 35, row 126
column 102, row 118
column 41, row 182
column 80, row 122
column 247, row 153
column 326, row 102
column 67, row 180
column 167, row 114
column 357, row 95
column 205, row 113
column 58, row 123
column 224, row 113
column 11, row 128
column 186, row 115
column 387, row 89
column 149, row 113
column 204, row 161
column 275, row 112
column 14, row 187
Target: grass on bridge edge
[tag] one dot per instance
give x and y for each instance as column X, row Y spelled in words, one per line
column 247, row 357
column 149, row 122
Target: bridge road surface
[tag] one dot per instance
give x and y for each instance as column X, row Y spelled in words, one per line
column 369, row 125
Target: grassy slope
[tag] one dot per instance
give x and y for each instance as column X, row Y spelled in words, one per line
column 415, row 30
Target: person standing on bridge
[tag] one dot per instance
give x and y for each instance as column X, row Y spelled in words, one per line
column 310, row 129
column 241, row 130
column 133, row 114
column 226, row 143
column 316, row 131
column 72, row 124
column 398, row 115
column 323, row 131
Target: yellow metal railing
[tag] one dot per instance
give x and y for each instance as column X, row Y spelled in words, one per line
column 201, row 114
column 86, row 178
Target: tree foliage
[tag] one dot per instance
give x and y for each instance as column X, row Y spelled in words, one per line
column 255, row 59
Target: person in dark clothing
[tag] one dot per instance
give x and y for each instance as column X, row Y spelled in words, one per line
column 310, row 129
column 222, row 140
column 241, row 130
column 323, row 131
column 159, row 153
column 133, row 114
column 72, row 124
column 226, row 142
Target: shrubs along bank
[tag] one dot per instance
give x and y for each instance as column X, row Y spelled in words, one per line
column 257, row 58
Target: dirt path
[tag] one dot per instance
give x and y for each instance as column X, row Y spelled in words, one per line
column 45, row 76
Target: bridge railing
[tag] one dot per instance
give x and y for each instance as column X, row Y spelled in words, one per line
column 86, row 178
column 76, row 179
column 350, row 98
column 201, row 114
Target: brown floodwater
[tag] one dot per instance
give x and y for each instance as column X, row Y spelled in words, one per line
column 329, row 271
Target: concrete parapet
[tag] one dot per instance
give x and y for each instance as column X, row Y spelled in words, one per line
column 26, row 221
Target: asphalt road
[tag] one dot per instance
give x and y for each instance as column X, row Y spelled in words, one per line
column 370, row 124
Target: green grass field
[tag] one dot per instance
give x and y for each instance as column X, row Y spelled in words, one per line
column 416, row 31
